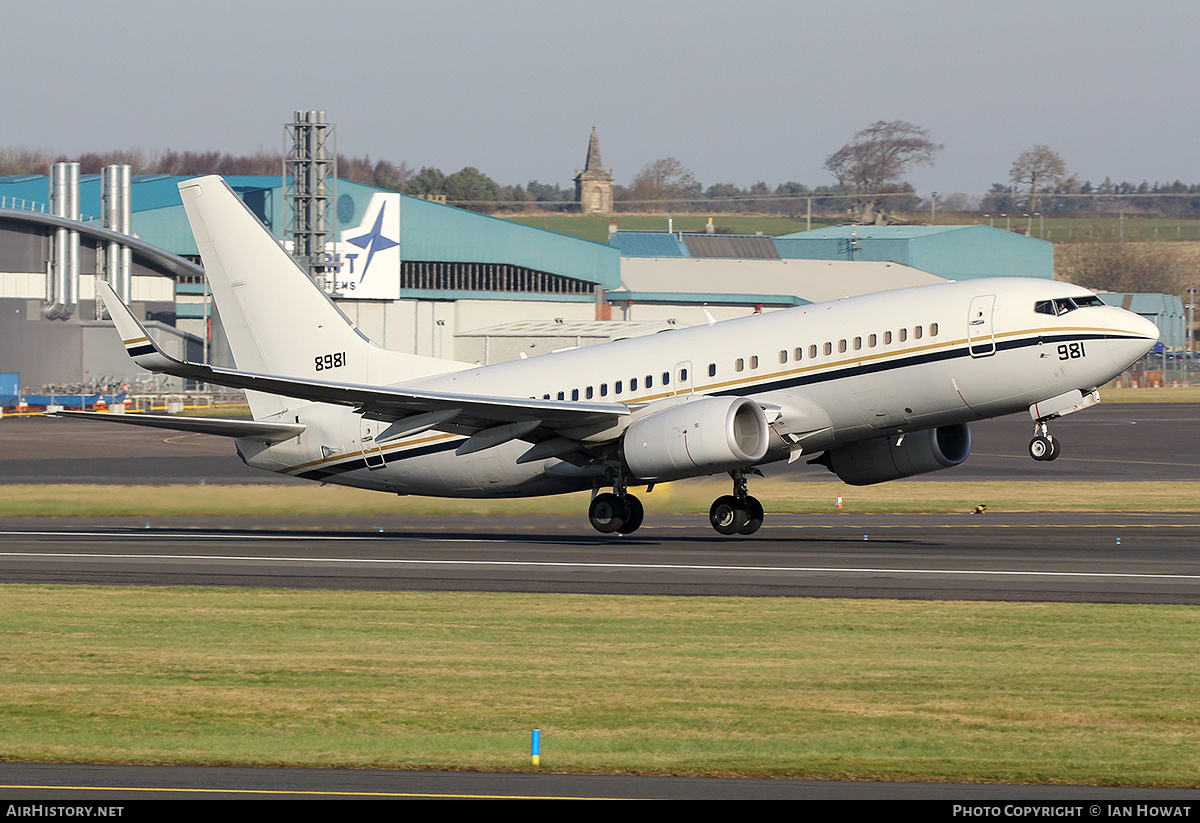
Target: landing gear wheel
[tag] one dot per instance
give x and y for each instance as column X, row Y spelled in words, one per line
column 1055, row 448
column 754, row 511
column 727, row 516
column 1041, row 447
column 607, row 513
column 633, row 515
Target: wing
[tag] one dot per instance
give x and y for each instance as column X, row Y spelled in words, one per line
column 492, row 419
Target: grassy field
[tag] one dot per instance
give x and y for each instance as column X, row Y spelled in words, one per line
column 1056, row 229
column 841, row 689
column 1170, row 394
column 595, row 227
column 153, row 503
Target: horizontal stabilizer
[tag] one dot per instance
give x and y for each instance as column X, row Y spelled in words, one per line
column 474, row 412
column 266, row 432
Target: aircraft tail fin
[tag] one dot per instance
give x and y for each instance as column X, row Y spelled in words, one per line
column 277, row 320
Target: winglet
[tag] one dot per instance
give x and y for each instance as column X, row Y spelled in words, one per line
column 138, row 343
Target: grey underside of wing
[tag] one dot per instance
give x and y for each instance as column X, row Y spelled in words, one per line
column 266, row 432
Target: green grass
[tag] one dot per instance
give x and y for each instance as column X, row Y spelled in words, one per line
column 685, row 497
column 595, row 227
column 843, row 689
column 1056, row 229
column 1169, row 394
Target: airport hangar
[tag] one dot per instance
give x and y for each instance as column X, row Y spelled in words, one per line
column 447, row 282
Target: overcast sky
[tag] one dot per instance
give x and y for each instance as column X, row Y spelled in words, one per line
column 738, row 92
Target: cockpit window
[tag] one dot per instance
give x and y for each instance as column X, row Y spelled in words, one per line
column 1062, row 305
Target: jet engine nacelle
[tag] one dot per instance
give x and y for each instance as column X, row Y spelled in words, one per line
column 704, row 436
column 896, row 456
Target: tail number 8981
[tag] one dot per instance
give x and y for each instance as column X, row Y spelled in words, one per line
column 324, row 362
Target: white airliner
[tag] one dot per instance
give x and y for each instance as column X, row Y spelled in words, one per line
column 874, row 388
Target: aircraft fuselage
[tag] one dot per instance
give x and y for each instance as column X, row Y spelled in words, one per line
column 826, row 374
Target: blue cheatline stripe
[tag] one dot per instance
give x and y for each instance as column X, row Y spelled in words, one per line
column 836, row 373
column 797, row 381
column 388, row 457
column 134, row 352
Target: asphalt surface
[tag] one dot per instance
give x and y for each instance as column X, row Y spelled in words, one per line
column 113, row 785
column 1115, row 442
column 1087, row 557
column 1047, row 557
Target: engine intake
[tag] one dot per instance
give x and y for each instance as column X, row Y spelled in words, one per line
column 704, row 436
column 896, row 456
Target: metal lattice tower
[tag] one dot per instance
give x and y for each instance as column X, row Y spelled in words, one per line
column 310, row 183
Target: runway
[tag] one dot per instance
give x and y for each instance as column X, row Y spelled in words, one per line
column 112, row 785
column 1105, row 558
column 1049, row 557
column 1116, row 442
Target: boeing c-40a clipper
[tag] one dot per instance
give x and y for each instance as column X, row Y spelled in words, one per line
column 875, row 388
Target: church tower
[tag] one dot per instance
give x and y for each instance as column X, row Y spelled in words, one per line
column 594, row 185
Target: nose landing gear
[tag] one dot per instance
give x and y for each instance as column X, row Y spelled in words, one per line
column 1043, row 446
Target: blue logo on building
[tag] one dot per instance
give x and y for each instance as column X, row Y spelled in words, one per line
column 373, row 241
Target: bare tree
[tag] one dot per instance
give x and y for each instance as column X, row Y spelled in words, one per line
column 876, row 160
column 661, row 181
column 1037, row 168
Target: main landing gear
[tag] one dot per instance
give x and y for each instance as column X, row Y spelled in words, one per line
column 1043, row 446
column 616, row 511
column 619, row 511
column 737, row 513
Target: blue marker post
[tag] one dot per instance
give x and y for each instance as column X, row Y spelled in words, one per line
column 535, row 747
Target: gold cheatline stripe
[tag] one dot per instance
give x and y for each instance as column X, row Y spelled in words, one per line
column 749, row 380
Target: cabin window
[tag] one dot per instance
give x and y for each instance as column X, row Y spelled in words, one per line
column 798, row 354
column 933, row 329
column 871, row 341
column 574, row 394
column 902, row 335
column 589, row 392
column 649, row 380
column 561, row 396
column 666, row 378
column 683, row 375
column 827, row 349
column 812, row 351
column 617, row 387
column 633, row 384
column 604, row 390
column 887, row 338
column 754, row 362
column 842, row 345
column 857, row 343
column 783, row 356
column 739, row 364
column 712, row 369
column 918, row 332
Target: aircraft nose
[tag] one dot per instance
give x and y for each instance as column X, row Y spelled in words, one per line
column 1129, row 336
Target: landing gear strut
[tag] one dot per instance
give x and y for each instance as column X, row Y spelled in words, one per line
column 1043, row 446
column 616, row 511
column 736, row 513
